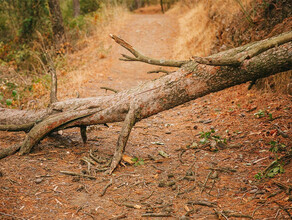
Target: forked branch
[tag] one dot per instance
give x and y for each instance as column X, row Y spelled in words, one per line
column 140, row 57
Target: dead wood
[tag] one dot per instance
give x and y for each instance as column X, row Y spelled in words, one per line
column 140, row 57
column 106, row 187
column 78, row 174
column 156, row 215
column 202, row 203
column 110, row 89
column 193, row 80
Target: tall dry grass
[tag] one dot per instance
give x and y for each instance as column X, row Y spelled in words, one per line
column 86, row 64
column 204, row 29
column 199, row 22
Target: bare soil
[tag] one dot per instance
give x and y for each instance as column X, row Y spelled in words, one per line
column 180, row 177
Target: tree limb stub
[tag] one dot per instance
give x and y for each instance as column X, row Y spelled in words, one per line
column 192, row 81
column 139, row 57
column 131, row 118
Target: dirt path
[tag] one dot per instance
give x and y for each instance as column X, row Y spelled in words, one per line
column 152, row 35
column 180, row 176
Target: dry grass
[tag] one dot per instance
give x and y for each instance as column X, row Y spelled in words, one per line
column 199, row 23
column 86, row 64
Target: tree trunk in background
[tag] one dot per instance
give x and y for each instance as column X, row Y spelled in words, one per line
column 76, row 8
column 57, row 22
column 161, row 4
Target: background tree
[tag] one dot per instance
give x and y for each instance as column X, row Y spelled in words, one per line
column 76, row 8
column 57, row 22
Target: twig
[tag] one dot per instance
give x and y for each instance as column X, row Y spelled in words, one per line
column 98, row 160
column 109, row 89
column 180, row 155
column 129, row 205
column 202, row 203
column 124, row 215
column 282, row 133
column 156, row 215
column 78, row 174
column 139, row 57
column 206, row 180
column 106, row 187
column 283, row 208
column 218, row 213
column 92, row 216
column 187, row 190
column 88, row 160
column 142, row 199
column 223, row 169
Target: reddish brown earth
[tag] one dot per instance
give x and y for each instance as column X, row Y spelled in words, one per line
column 32, row 187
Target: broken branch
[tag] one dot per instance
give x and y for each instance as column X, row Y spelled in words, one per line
column 140, row 57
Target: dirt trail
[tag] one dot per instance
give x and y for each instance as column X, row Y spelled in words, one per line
column 190, row 179
column 152, row 35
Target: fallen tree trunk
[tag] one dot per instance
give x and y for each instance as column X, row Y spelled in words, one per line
column 194, row 79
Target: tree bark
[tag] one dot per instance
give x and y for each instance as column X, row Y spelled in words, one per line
column 76, row 8
column 193, row 80
column 57, row 22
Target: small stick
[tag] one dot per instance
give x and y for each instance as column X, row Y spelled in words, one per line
column 156, row 215
column 206, row 180
column 78, row 174
column 220, row 213
column 96, row 159
column 106, row 187
column 124, row 215
column 109, row 89
column 180, row 155
column 202, row 203
column 142, row 199
column 187, row 190
column 283, row 208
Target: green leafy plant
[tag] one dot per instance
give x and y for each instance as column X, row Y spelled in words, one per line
column 276, row 168
column 8, row 102
column 137, row 161
column 258, row 176
column 210, row 135
column 260, row 114
column 276, row 147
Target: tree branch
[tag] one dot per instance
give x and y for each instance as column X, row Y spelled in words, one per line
column 140, row 57
column 236, row 56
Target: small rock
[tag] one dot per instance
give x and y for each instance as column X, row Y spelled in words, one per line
column 170, row 183
column 38, row 180
column 168, row 132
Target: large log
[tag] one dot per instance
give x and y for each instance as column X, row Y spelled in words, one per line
column 194, row 79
